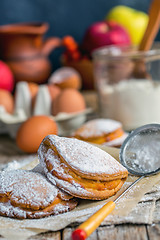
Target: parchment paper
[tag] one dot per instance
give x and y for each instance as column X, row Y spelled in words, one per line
column 125, row 211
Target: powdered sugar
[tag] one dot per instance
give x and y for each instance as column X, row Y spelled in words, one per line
column 98, row 127
column 26, row 187
column 11, row 211
column 28, row 195
column 85, row 208
column 83, row 156
column 29, row 161
column 74, row 187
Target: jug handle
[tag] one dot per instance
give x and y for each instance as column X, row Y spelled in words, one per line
column 50, row 44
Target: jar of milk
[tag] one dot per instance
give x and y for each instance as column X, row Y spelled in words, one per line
column 128, row 85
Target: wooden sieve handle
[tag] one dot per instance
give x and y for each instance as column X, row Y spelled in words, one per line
column 86, row 228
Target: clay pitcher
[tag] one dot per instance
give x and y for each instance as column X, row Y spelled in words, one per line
column 22, row 47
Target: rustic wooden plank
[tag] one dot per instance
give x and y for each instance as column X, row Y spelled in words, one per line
column 43, row 236
column 154, row 231
column 121, row 232
column 47, row 236
column 66, row 235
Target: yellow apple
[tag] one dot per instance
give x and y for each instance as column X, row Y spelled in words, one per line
column 135, row 22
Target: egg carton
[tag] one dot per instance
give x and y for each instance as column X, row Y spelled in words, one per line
column 66, row 122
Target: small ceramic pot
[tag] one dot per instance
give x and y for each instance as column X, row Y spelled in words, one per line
column 22, row 47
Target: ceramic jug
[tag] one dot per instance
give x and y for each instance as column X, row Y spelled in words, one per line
column 23, row 48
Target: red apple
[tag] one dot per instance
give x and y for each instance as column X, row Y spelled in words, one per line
column 103, row 34
column 6, row 77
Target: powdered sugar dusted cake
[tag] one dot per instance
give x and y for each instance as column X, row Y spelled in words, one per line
column 80, row 168
column 101, row 131
column 26, row 194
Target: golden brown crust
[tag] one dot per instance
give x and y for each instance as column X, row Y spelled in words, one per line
column 77, row 190
column 67, row 175
column 100, row 139
column 61, row 207
column 83, row 159
column 26, row 194
column 100, row 131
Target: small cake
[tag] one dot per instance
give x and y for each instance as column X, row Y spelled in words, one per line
column 80, row 169
column 27, row 194
column 101, row 131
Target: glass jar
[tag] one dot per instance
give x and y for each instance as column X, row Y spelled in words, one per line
column 128, row 85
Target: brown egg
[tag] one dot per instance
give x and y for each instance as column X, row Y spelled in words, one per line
column 69, row 100
column 66, row 77
column 7, row 100
column 31, row 132
column 54, row 91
